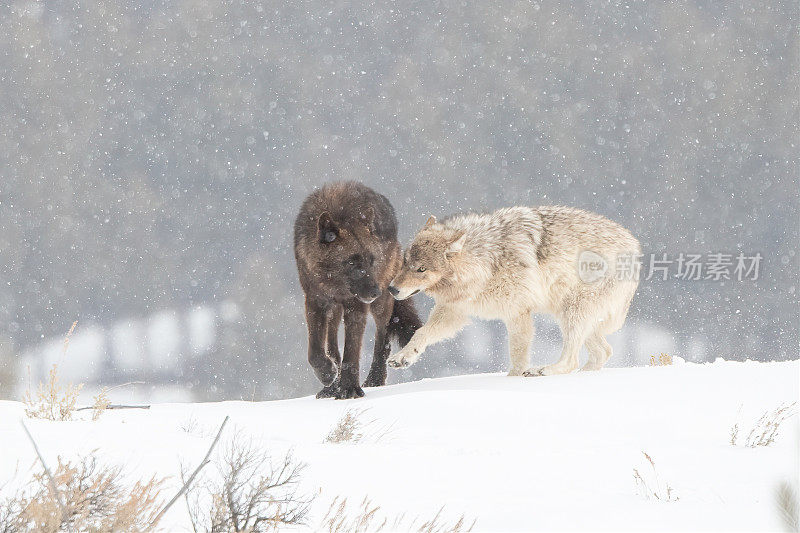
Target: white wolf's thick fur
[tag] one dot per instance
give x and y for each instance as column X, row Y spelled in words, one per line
column 514, row 262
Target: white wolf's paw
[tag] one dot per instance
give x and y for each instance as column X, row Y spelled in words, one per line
column 534, row 371
column 549, row 370
column 403, row 358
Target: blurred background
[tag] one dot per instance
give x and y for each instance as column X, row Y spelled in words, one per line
column 155, row 154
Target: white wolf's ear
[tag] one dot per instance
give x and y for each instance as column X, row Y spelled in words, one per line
column 431, row 221
column 457, row 245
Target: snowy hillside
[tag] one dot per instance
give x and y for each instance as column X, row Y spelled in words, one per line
column 554, row 453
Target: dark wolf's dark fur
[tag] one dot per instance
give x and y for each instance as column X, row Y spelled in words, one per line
column 345, row 244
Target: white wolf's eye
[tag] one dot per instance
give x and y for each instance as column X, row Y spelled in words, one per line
column 421, row 269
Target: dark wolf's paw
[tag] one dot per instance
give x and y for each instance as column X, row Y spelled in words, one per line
column 329, row 391
column 348, row 393
column 375, row 379
column 326, row 372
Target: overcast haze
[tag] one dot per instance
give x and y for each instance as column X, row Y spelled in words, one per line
column 155, row 155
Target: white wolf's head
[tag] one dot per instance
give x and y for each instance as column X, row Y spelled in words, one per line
column 427, row 263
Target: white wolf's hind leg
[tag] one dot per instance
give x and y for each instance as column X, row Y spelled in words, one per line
column 599, row 351
column 520, row 334
column 574, row 335
column 565, row 364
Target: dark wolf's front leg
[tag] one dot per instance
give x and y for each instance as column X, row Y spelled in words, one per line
column 323, row 366
column 334, row 315
column 382, row 313
column 355, row 321
column 334, row 319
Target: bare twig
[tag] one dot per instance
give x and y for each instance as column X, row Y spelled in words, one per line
column 53, row 487
column 188, row 482
column 115, row 406
column 106, row 390
column 254, row 494
column 126, row 384
column 188, row 506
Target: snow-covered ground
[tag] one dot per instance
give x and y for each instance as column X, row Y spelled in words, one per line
column 553, row 453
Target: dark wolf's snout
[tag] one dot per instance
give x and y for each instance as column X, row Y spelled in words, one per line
column 369, row 293
column 362, row 274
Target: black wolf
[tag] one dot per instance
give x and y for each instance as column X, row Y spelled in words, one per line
column 345, row 244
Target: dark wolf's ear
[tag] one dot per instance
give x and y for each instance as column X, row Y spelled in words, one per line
column 368, row 216
column 431, row 221
column 326, row 229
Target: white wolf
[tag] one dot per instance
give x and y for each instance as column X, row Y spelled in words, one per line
column 578, row 266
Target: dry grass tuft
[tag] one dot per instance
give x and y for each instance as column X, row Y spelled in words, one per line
column 662, row 360
column 765, row 430
column 101, row 403
column 654, row 489
column 341, row 519
column 251, row 494
column 734, row 434
column 787, row 500
column 352, row 427
column 348, row 428
column 194, row 427
column 367, row 517
column 50, row 401
column 93, row 498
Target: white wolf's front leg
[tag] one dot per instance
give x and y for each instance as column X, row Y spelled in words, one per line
column 444, row 321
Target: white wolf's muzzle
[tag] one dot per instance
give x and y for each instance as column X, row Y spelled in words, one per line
column 402, row 294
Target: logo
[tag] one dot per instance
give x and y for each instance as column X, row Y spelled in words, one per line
column 591, row 266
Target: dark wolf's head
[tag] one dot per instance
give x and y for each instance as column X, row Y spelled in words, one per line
column 427, row 263
column 346, row 253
